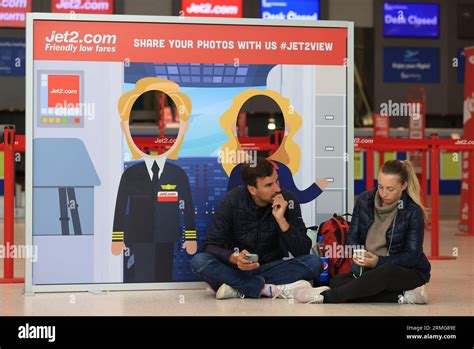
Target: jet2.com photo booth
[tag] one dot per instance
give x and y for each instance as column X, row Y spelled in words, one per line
column 137, row 126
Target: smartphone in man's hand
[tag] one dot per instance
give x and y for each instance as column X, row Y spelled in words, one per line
column 252, row 257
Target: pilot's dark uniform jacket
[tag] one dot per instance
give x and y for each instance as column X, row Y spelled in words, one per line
column 151, row 215
column 239, row 223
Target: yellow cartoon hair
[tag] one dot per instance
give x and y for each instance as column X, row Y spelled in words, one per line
column 288, row 153
column 181, row 100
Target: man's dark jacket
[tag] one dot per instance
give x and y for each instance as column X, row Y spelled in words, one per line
column 407, row 242
column 237, row 224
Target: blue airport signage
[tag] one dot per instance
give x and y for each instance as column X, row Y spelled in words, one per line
column 411, row 64
column 461, row 68
column 12, row 57
column 411, row 20
column 290, row 9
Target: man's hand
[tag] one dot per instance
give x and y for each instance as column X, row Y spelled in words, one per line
column 243, row 263
column 118, row 247
column 279, row 206
column 370, row 260
column 190, row 246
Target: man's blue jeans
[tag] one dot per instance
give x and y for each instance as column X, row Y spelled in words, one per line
column 250, row 283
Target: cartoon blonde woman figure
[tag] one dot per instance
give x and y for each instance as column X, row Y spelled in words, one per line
column 153, row 195
column 286, row 159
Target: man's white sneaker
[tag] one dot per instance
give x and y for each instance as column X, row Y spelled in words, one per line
column 226, row 292
column 287, row 291
column 311, row 295
column 418, row 295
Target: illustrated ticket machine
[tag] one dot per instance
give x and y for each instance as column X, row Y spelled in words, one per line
column 63, row 211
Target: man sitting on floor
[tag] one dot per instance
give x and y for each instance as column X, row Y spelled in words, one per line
column 253, row 229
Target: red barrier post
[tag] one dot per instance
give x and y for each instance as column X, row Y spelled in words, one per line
column 470, row 197
column 369, row 174
column 424, row 178
column 9, row 205
column 434, row 162
column 470, row 220
column 381, row 159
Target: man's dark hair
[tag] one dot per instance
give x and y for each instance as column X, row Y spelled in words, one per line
column 251, row 171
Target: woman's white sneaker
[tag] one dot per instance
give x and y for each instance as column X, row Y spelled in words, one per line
column 418, row 295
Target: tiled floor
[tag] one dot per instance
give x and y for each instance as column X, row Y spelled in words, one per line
column 451, row 291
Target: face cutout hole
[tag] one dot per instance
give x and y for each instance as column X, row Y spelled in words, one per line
column 260, row 125
column 154, row 122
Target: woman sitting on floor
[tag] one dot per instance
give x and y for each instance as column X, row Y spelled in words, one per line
column 389, row 221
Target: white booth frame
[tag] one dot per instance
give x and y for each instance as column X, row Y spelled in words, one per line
column 30, row 289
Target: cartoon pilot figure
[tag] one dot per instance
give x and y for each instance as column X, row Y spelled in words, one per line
column 154, row 198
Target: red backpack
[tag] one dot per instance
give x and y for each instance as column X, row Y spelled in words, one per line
column 334, row 233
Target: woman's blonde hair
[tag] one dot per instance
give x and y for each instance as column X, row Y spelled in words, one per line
column 405, row 171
